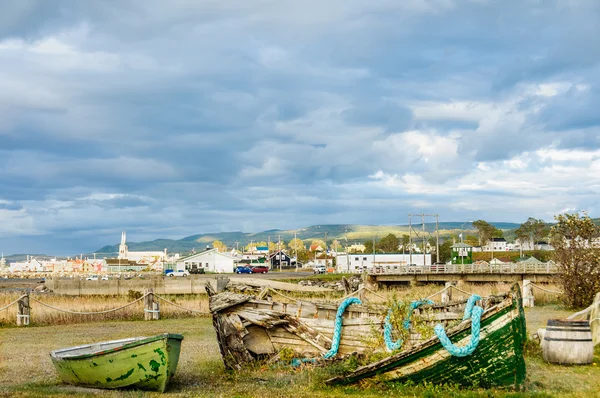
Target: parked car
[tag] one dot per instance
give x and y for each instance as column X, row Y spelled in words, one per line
column 260, row 269
column 320, row 269
column 178, row 272
column 197, row 270
column 92, row 278
column 243, row 269
column 104, row 277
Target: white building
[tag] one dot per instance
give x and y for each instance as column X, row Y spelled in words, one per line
column 496, row 245
column 358, row 262
column 210, row 260
column 153, row 259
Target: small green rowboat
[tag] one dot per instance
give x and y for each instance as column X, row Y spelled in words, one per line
column 145, row 363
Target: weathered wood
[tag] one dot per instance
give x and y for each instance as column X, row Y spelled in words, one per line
column 595, row 320
column 156, row 310
column 346, row 285
column 148, row 304
column 528, row 298
column 306, row 333
column 23, row 311
column 258, row 341
column 225, row 300
column 261, row 317
column 222, row 282
column 447, row 293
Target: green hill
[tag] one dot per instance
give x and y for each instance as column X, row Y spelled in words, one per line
column 354, row 234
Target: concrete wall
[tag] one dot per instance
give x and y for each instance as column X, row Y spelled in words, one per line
column 175, row 285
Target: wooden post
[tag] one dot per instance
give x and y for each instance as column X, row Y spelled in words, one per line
column 156, row 310
column 23, row 311
column 447, row 294
column 595, row 320
column 361, row 292
column 528, row 299
column 222, row 282
column 149, row 310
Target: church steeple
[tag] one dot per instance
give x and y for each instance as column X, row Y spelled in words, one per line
column 123, row 252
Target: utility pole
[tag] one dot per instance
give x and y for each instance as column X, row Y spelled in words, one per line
column 296, row 250
column 326, row 250
column 279, row 250
column 347, row 255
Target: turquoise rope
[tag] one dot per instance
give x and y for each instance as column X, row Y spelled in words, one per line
column 391, row 345
column 472, row 311
column 337, row 334
column 337, row 330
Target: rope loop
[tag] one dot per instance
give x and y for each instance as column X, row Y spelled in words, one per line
column 471, row 311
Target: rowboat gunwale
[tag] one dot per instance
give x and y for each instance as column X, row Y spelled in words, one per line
column 512, row 303
column 135, row 343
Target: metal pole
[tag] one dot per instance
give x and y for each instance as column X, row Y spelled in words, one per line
column 410, row 239
column 437, row 240
column 296, row 250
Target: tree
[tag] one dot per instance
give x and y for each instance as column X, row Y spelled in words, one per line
column 369, row 246
column 486, row 231
column 388, row 244
column 318, row 242
column 335, row 245
column 577, row 261
column 446, row 250
column 405, row 242
column 220, row 246
column 532, row 231
column 471, row 240
column 296, row 245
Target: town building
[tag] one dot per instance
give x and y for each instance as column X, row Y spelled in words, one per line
column 359, row 262
column 209, row 260
column 149, row 259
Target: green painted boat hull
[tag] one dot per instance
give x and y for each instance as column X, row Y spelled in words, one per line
column 497, row 362
column 140, row 363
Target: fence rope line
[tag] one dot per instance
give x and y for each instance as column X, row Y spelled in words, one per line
column 283, row 295
column 358, row 291
column 178, row 306
column 13, row 303
column 546, row 290
column 435, row 294
column 460, row 290
column 87, row 313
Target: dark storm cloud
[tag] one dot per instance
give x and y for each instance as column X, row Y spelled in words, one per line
column 174, row 118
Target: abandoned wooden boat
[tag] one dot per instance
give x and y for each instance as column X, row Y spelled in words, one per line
column 145, row 363
column 250, row 328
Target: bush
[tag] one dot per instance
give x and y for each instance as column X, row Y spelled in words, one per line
column 577, row 260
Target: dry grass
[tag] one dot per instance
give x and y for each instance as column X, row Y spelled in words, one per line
column 26, row 370
column 41, row 315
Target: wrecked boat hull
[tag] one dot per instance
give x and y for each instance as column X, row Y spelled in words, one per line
column 145, row 363
column 497, row 362
column 249, row 329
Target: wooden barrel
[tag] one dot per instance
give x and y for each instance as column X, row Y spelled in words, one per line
column 568, row 342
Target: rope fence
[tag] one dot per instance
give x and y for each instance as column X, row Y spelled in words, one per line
column 546, row 290
column 150, row 306
column 179, row 306
column 13, row 303
column 88, row 313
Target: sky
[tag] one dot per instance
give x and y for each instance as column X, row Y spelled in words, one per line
column 167, row 119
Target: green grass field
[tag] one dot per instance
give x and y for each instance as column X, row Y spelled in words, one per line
column 26, row 369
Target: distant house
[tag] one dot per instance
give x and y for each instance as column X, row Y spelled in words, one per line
column 496, row 245
column 209, row 260
column 281, row 258
column 122, row 265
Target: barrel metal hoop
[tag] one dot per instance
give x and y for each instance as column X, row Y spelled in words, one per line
column 559, row 339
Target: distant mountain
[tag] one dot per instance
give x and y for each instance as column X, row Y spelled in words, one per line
column 354, row 233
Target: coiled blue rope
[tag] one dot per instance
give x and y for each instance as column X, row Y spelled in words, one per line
column 391, row 345
column 472, row 311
